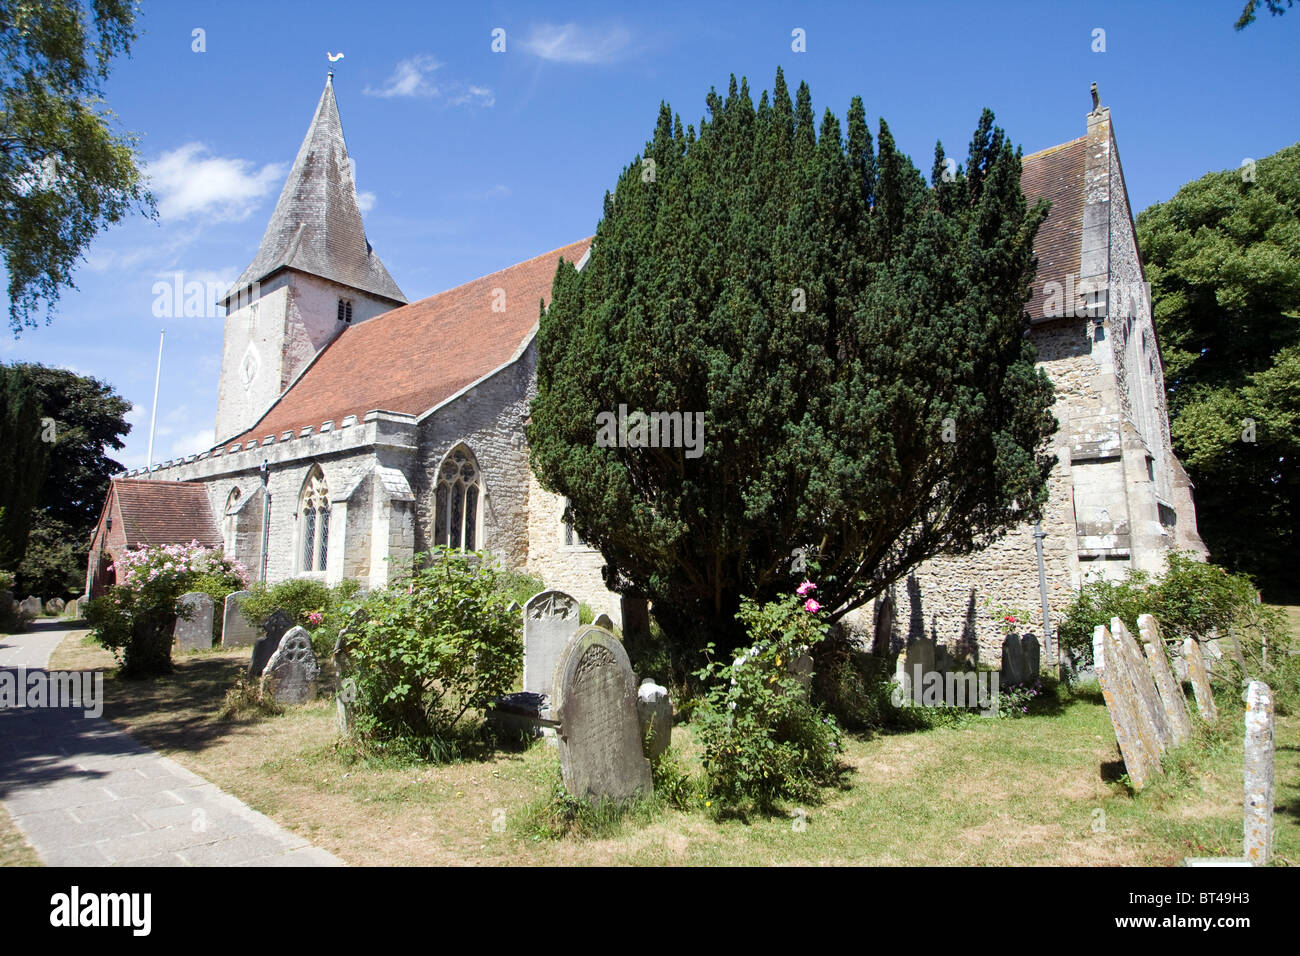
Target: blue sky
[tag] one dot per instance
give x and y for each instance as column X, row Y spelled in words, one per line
column 470, row 160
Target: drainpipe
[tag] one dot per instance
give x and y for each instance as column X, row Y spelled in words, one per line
column 1039, row 535
column 266, row 514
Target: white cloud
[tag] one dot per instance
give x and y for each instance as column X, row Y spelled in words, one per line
column 572, row 43
column 366, row 201
column 410, row 78
column 189, row 183
column 413, row 77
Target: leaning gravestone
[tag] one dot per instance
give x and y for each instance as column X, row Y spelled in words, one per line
column 654, row 709
column 275, row 628
column 194, row 632
column 1013, row 661
column 290, row 675
column 601, row 755
column 31, row 607
column 1146, row 695
column 1258, row 830
column 1200, row 679
column 236, row 629
column 1136, row 740
column 1171, row 692
column 550, row 622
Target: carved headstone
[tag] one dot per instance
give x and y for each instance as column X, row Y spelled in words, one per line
column 654, row 709
column 1258, row 831
column 1013, row 661
column 346, row 696
column 1136, row 743
column 1200, row 680
column 605, row 621
column 193, row 631
column 275, row 627
column 236, row 629
column 290, row 675
column 31, row 607
column 1030, row 656
column 550, row 622
column 1171, row 692
column 1146, row 696
column 595, row 694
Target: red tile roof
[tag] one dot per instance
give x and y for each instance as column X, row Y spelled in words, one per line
column 410, row 359
column 1056, row 174
column 164, row 512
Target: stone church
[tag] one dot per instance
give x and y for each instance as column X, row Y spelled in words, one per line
column 355, row 429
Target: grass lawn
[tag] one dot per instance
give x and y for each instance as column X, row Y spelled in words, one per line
column 1041, row 789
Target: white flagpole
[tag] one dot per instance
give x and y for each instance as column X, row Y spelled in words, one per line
column 153, row 419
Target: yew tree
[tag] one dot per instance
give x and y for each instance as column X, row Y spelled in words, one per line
column 856, row 342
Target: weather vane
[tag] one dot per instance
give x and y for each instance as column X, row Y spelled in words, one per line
column 333, row 57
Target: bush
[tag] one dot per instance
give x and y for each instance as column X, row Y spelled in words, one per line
column 136, row 617
column 6, row 581
column 1193, row 599
column 762, row 739
column 311, row 605
column 432, row 649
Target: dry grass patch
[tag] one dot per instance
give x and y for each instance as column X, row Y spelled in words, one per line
column 14, row 848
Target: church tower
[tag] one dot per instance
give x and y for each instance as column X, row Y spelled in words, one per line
column 314, row 274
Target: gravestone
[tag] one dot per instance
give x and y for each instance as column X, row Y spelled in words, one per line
column 917, row 653
column 194, row 633
column 236, row 629
column 1200, row 680
column 54, row 607
column 1144, row 686
column 550, row 622
column 73, row 608
column 290, row 675
column 1030, row 656
column 1013, row 661
column 346, row 696
column 276, row 626
column 605, row 621
column 654, row 710
column 1136, row 743
column 1257, row 844
column 7, row 601
column 636, row 617
column 1171, row 692
column 595, row 694
column 31, row 607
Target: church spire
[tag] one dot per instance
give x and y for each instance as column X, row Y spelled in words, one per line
column 316, row 227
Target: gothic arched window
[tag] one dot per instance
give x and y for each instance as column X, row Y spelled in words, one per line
column 228, row 525
column 314, row 512
column 456, row 501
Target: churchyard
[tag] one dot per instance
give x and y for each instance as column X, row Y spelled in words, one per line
column 1050, row 786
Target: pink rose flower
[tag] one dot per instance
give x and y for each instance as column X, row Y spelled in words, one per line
column 811, row 606
column 804, row 588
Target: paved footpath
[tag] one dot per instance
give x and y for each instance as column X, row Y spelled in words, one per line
column 87, row 794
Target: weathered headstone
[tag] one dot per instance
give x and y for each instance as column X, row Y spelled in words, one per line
column 595, row 697
column 1013, row 661
column 917, row 653
column 275, row 627
column 1147, row 697
column 1257, row 844
column 1200, row 680
column 636, row 617
column 54, row 606
column 1136, row 743
column 290, row 675
column 73, row 608
column 1030, row 656
column 550, row 622
column 193, row 632
column 605, row 621
column 346, row 695
column 1171, row 692
column 236, row 629
column 654, row 710
column 31, row 607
